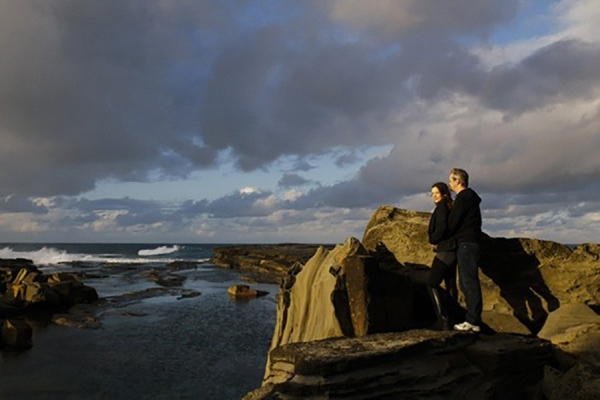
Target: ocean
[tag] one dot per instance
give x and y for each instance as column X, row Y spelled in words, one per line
column 163, row 347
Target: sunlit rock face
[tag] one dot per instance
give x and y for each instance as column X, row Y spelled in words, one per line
column 349, row 320
column 522, row 279
column 341, row 292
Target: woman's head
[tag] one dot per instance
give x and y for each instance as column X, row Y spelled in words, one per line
column 441, row 192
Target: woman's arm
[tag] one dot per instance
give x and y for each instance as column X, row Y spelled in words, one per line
column 440, row 226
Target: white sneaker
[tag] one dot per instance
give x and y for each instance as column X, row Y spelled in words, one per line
column 465, row 326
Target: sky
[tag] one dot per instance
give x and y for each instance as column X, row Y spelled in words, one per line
column 272, row 121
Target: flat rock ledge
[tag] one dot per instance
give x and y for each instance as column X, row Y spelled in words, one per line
column 416, row 364
column 265, row 263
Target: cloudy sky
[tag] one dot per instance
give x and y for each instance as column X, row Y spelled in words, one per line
column 292, row 121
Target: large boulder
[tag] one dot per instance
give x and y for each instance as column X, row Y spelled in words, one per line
column 28, row 288
column 416, row 364
column 342, row 292
column 522, row 279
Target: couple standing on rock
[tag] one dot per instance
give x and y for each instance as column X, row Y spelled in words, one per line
column 455, row 233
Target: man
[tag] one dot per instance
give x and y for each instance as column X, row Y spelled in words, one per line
column 464, row 224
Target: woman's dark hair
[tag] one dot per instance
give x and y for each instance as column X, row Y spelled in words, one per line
column 445, row 192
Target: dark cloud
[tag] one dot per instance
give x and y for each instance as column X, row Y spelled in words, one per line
column 348, row 194
column 562, row 71
column 291, row 180
column 150, row 90
column 399, row 19
column 241, row 204
column 19, row 204
column 139, row 89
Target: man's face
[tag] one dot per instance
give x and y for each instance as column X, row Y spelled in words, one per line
column 452, row 182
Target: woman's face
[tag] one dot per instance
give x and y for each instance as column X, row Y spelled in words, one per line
column 436, row 196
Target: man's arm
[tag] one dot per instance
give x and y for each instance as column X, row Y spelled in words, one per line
column 457, row 213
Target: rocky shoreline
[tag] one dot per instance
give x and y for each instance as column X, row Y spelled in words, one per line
column 28, row 296
column 355, row 321
column 265, row 263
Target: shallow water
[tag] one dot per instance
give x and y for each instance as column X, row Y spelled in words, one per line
column 205, row 347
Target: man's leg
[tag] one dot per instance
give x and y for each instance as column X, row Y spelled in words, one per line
column 469, row 255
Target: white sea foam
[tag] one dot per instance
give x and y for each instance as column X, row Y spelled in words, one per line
column 43, row 256
column 50, row 256
column 159, row 251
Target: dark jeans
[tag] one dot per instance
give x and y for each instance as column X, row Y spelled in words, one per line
column 469, row 255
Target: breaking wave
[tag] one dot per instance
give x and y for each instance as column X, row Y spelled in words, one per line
column 159, row 251
column 44, row 256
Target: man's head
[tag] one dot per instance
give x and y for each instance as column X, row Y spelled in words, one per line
column 458, row 180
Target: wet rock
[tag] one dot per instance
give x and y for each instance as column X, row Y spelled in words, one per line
column 182, row 265
column 30, row 288
column 135, row 297
column 16, row 333
column 164, row 278
column 188, row 294
column 244, row 292
column 77, row 321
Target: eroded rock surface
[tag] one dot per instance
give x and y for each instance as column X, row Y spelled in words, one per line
column 417, row 364
column 522, row 279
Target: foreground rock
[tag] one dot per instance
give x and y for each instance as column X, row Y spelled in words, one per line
column 417, row 364
column 25, row 290
column 574, row 330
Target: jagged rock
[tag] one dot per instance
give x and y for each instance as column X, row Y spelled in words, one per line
column 244, row 292
column 30, row 288
column 356, row 289
column 522, row 279
column 342, row 292
column 16, row 333
column 417, row 364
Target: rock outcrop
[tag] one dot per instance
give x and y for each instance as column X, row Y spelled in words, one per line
column 337, row 312
column 417, row 364
column 522, row 279
column 25, row 289
column 263, row 263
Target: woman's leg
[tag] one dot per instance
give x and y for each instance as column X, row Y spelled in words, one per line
column 436, row 275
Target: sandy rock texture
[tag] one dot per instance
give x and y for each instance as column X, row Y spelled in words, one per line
column 522, row 279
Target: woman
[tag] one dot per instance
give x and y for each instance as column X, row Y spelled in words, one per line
column 443, row 266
